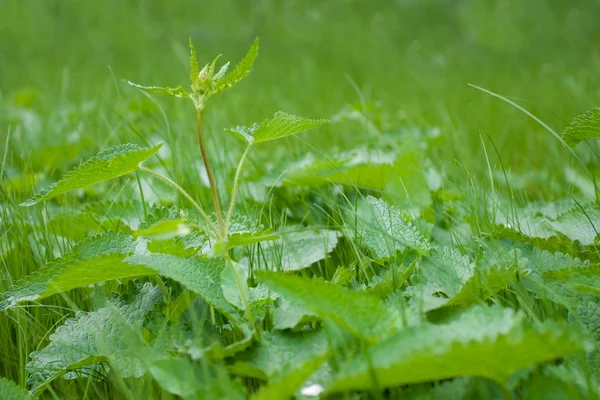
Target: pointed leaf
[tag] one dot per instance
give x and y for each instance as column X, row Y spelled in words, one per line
column 108, row 164
column 386, row 232
column 299, row 250
column 194, row 68
column 360, row 313
column 200, row 275
column 97, row 259
column 281, row 125
column 110, row 334
column 584, row 127
column 240, row 71
column 489, row 342
column 10, row 391
column 162, row 91
column 166, row 229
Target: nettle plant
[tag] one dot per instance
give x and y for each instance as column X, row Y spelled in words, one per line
column 128, row 158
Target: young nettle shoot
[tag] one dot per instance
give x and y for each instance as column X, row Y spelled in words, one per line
column 124, row 159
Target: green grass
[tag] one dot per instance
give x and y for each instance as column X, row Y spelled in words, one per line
column 410, row 296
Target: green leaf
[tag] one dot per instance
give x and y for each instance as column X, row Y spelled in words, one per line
column 94, row 260
column 580, row 223
column 582, row 279
column 179, row 91
column 386, row 232
column 299, row 250
column 244, row 231
column 229, row 284
column 110, row 334
column 108, row 164
column 281, row 125
column 166, row 229
column 363, row 315
column 193, row 381
column 239, row 72
column 589, row 316
column 584, row 127
column 541, row 282
column 489, row 342
column 10, row 391
column 200, row 275
column 194, row 68
column 283, row 359
column 292, row 316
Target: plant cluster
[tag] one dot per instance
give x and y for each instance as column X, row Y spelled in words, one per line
column 399, row 291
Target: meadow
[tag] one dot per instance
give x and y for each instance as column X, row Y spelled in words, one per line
column 356, row 200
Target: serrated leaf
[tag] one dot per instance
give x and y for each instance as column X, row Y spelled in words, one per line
column 194, row 68
column 108, row 164
column 285, row 360
column 230, row 282
column 109, row 334
column 579, row 223
column 244, row 231
column 10, row 391
column 489, row 342
column 200, row 275
column 582, row 279
column 240, row 71
column 166, row 229
column 292, row 316
column 585, row 126
column 541, row 283
column 363, row 315
column 386, row 232
column 281, row 125
column 589, row 316
column 94, row 260
column 192, row 381
column 179, row 91
column 299, row 250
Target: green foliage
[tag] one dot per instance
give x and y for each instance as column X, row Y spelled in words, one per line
column 281, row 125
column 108, row 164
column 386, row 232
column 110, row 334
column 489, row 342
column 362, row 314
column 584, row 127
column 162, row 91
column 299, row 250
column 10, row 391
column 97, row 259
column 188, row 380
column 224, row 82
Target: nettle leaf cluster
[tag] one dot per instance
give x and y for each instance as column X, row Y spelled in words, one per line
column 218, row 306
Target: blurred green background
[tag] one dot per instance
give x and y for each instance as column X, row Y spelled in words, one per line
column 64, row 66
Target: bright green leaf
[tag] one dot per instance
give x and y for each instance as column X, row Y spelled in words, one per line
column 10, row 391
column 362, row 314
column 299, row 250
column 110, row 334
column 229, row 284
column 489, row 342
column 386, row 232
column 162, row 91
column 239, row 72
column 108, row 164
column 94, row 260
column 584, row 127
column 198, row 274
column 281, row 125
column 165, row 230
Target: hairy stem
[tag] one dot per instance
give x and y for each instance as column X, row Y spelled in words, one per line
column 235, row 187
column 211, row 177
column 186, row 195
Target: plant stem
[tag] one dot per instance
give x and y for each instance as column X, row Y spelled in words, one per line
column 211, row 177
column 186, row 195
column 238, row 283
column 234, row 189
